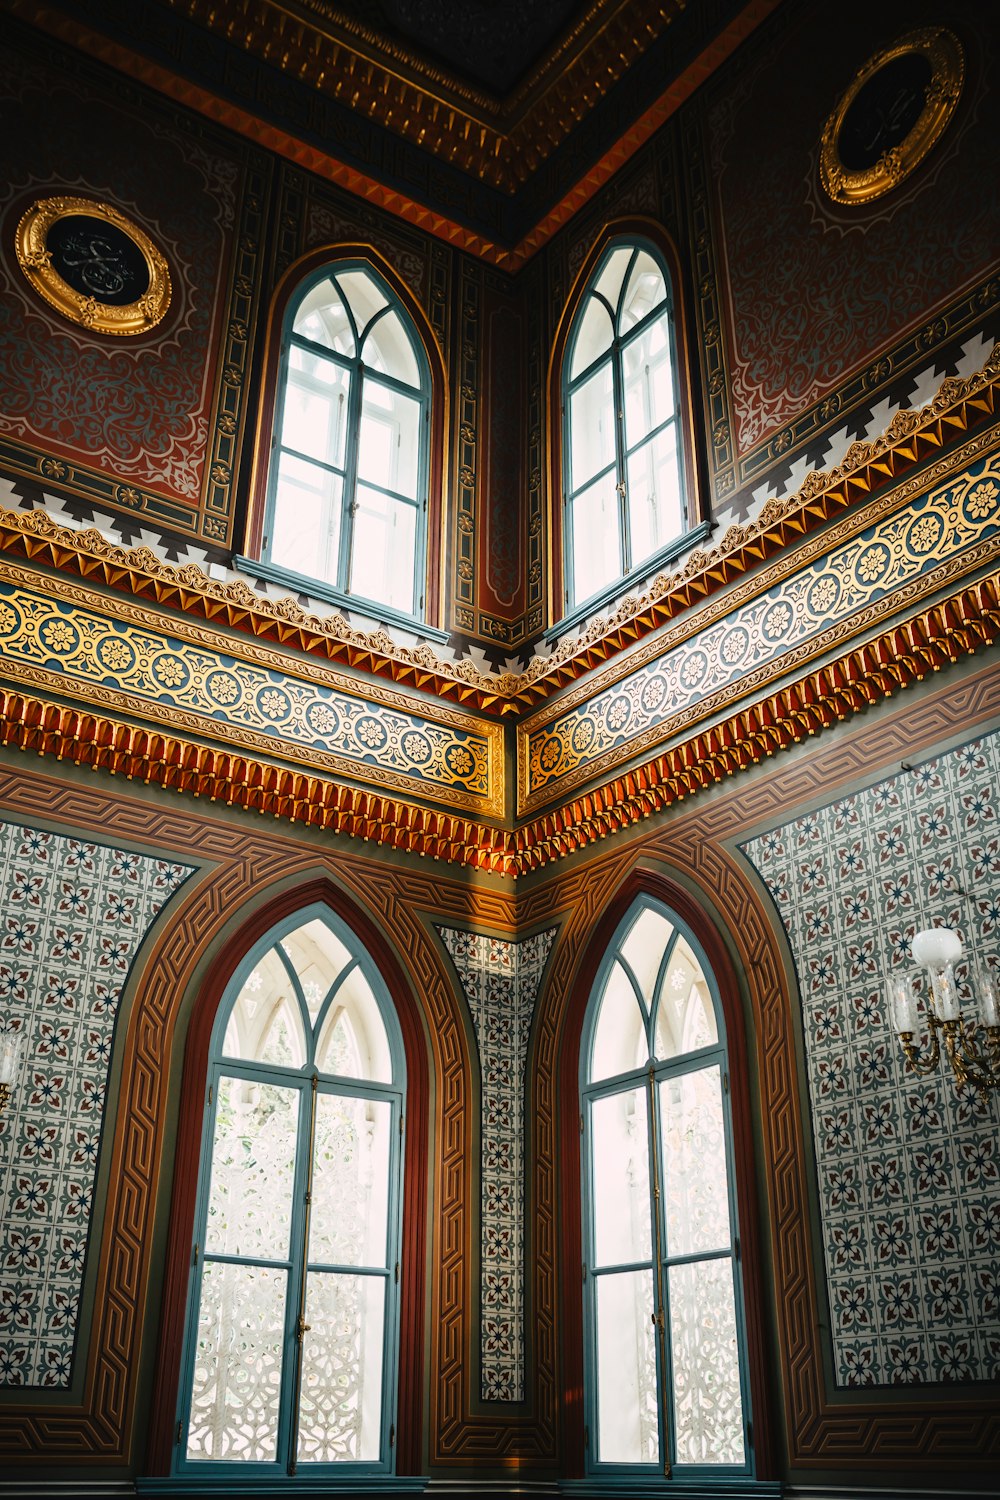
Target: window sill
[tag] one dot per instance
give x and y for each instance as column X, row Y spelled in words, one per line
column 314, row 588
column 597, row 603
column 262, row 1486
column 721, row 1488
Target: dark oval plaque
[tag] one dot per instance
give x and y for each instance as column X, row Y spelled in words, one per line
column 897, row 107
column 97, row 259
column 94, row 265
column 884, row 111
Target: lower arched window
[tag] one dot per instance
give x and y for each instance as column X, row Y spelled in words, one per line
column 665, row 1362
column 291, row 1338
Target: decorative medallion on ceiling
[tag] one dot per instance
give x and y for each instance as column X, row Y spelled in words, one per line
column 93, row 265
column 896, row 109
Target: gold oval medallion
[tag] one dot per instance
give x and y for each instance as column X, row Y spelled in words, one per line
column 93, row 265
column 895, row 110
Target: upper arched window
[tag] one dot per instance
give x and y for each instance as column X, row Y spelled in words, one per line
column 348, row 475
column 292, row 1327
column 623, row 460
column 666, row 1370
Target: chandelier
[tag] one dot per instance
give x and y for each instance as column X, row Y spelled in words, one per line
column 932, row 1010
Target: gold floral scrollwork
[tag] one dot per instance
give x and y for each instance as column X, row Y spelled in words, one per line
column 100, row 233
column 886, row 135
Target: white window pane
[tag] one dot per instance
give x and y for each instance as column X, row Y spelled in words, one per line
column 593, row 338
column 649, row 382
column 314, row 415
column 685, row 1015
column 237, row 1370
column 645, row 290
column 592, row 427
column 627, row 1431
column 350, row 1191
column 305, row 530
column 609, row 282
column 708, row 1402
column 318, row 956
column 389, row 441
column 264, row 991
column 388, row 350
column 620, row 1161
column 384, row 555
column 340, row 1407
column 693, row 1152
column 654, row 495
column 253, row 1166
column 620, row 1034
column 644, row 947
column 595, row 538
column 321, row 318
column 364, row 295
column 353, row 1042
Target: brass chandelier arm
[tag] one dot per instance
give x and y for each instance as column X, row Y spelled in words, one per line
column 969, row 1064
column 919, row 1062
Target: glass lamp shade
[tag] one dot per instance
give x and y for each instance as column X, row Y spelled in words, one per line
column 936, row 948
column 903, row 1003
column 10, row 1056
column 944, row 993
column 989, row 995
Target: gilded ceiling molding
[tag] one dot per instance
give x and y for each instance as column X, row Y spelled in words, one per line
column 898, row 657
column 422, row 117
column 500, row 142
column 960, row 406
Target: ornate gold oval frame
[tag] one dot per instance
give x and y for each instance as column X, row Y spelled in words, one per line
column 944, row 52
column 125, row 320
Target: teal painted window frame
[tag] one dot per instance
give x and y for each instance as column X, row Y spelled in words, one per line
column 236, row 1474
column 632, row 570
column 338, row 590
column 682, row 1477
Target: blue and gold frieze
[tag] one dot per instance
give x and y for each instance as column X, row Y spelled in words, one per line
column 838, row 593
column 195, row 685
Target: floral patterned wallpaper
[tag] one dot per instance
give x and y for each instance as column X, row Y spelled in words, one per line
column 500, row 980
column 907, row 1167
column 72, row 917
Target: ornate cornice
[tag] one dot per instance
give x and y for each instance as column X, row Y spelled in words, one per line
column 499, row 141
column 905, row 653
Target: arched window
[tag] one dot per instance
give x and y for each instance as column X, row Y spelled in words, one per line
column 291, row 1338
column 623, row 460
column 666, row 1371
column 348, row 474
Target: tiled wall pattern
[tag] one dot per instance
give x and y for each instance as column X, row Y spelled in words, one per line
column 908, row 1168
column 500, row 980
column 72, row 917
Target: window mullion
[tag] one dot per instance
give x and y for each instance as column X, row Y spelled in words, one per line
column 624, row 530
column 295, row 1333
column 350, row 502
column 658, row 1186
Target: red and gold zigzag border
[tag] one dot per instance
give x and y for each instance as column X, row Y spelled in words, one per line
column 937, row 637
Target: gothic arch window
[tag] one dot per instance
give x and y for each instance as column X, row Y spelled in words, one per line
column 349, row 466
column 290, row 1348
column 625, row 469
column 665, row 1364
